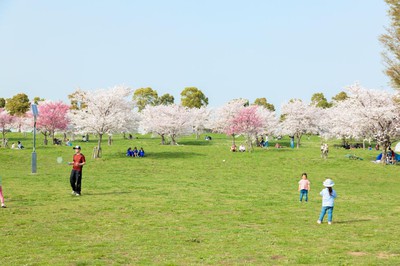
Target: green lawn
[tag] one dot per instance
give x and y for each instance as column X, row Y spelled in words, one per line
column 185, row 205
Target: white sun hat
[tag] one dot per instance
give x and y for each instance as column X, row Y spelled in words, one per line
column 328, row 183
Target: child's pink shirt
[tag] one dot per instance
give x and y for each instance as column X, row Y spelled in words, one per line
column 304, row 184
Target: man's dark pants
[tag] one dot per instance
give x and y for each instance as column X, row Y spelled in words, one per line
column 75, row 180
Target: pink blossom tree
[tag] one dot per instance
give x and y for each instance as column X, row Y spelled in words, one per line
column 167, row 121
column 224, row 115
column 105, row 111
column 249, row 123
column 52, row 117
column 6, row 122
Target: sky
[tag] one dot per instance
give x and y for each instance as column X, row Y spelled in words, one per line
column 228, row 49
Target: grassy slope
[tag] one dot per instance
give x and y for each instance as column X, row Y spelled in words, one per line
column 183, row 205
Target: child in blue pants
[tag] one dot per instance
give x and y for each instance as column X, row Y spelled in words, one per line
column 328, row 198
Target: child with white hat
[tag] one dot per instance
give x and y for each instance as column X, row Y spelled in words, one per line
column 328, row 197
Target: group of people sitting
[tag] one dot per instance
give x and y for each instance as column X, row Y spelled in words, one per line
column 19, row 146
column 242, row 148
column 264, row 143
column 57, row 141
column 135, row 152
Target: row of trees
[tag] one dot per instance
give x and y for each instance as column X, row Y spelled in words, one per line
column 362, row 114
column 191, row 97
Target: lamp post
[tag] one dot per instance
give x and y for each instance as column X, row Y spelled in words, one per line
column 35, row 113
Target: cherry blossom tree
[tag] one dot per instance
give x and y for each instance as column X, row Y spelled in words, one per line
column 6, row 122
column 375, row 113
column 252, row 121
column 269, row 119
column 299, row 119
column 151, row 122
column 199, row 119
column 105, row 111
column 339, row 122
column 52, row 117
column 167, row 121
column 222, row 122
column 24, row 122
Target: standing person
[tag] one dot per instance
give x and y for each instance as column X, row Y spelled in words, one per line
column 328, row 197
column 76, row 173
column 304, row 187
column 1, row 195
column 291, row 142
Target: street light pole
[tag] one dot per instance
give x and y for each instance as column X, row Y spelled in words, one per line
column 34, row 157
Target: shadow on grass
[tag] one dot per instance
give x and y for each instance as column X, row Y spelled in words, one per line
column 352, row 221
column 168, row 155
column 195, row 142
column 108, row 193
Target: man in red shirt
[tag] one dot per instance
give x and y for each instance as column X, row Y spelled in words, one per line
column 76, row 173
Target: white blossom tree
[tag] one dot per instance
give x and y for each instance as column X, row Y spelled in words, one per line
column 6, row 122
column 298, row 119
column 375, row 113
column 270, row 121
column 200, row 119
column 339, row 122
column 105, row 111
column 167, row 121
column 24, row 122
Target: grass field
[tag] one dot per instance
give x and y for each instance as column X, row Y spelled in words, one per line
column 184, row 205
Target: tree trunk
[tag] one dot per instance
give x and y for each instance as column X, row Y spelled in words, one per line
column 4, row 135
column 97, row 152
column 384, row 153
column 250, row 143
column 109, row 140
column 162, row 139
column 173, row 142
column 45, row 141
column 233, row 139
column 52, row 136
column 384, row 143
column 298, row 137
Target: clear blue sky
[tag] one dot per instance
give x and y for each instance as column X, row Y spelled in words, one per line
column 226, row 48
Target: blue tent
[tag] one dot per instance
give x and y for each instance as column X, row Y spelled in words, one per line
column 396, row 156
